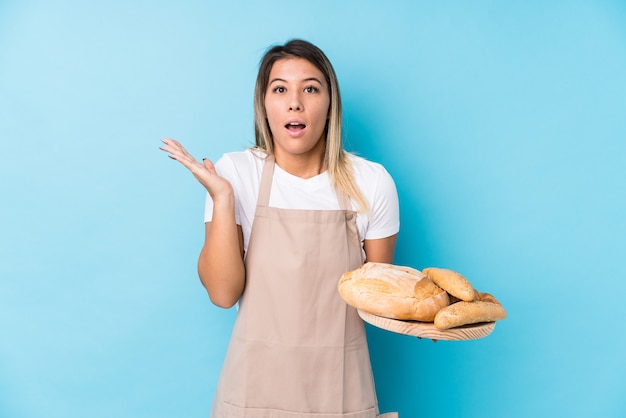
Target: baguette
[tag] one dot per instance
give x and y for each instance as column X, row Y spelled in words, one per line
column 485, row 309
column 452, row 282
column 391, row 291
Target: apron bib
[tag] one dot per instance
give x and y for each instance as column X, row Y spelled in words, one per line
column 297, row 349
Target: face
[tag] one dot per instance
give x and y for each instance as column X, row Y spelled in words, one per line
column 297, row 101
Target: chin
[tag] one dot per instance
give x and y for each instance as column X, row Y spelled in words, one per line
column 297, row 148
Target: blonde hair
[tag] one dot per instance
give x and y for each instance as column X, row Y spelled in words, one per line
column 335, row 158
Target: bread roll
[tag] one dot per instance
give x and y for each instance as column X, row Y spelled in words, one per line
column 487, row 309
column 452, row 282
column 486, row 297
column 393, row 292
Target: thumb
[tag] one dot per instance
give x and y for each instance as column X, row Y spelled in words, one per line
column 209, row 165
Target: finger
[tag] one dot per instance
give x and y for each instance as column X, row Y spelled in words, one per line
column 173, row 145
column 178, row 152
column 168, row 146
column 188, row 161
column 170, row 141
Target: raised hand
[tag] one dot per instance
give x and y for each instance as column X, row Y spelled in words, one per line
column 218, row 187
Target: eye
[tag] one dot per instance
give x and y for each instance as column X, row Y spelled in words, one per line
column 279, row 89
column 311, row 89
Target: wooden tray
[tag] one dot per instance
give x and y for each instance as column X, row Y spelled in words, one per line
column 428, row 329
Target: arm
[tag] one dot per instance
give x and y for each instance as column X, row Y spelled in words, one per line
column 380, row 250
column 385, row 219
column 220, row 265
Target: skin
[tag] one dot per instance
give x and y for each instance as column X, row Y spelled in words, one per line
column 297, row 92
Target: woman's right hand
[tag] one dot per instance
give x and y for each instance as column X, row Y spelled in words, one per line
column 218, row 187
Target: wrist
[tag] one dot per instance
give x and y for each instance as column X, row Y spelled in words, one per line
column 224, row 201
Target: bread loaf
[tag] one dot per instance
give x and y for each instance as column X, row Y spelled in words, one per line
column 452, row 282
column 485, row 309
column 393, row 292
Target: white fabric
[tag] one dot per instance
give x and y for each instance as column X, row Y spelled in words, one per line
column 243, row 170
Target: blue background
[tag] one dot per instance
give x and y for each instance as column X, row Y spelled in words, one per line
column 502, row 123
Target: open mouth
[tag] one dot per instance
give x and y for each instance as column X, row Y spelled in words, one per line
column 295, row 126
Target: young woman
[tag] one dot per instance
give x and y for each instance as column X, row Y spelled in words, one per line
column 284, row 220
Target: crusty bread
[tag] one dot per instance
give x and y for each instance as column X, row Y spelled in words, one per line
column 485, row 309
column 392, row 291
column 452, row 282
column 487, row 297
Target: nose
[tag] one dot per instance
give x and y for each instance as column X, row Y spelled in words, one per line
column 295, row 102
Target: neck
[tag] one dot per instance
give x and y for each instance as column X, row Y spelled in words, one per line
column 301, row 165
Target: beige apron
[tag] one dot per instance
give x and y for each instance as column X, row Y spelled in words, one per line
column 297, row 350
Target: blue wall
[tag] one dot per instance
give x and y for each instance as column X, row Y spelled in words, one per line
column 502, row 123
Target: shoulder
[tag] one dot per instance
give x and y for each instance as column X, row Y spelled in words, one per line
column 250, row 156
column 379, row 190
column 368, row 172
column 241, row 163
column 377, row 186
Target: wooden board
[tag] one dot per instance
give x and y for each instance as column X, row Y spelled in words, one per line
column 428, row 329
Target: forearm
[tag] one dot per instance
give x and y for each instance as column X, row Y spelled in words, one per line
column 380, row 250
column 220, row 265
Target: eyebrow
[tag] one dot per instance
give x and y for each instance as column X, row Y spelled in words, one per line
column 305, row 80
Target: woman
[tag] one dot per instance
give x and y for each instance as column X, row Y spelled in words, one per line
column 284, row 221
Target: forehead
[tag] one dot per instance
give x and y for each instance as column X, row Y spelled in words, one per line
column 294, row 69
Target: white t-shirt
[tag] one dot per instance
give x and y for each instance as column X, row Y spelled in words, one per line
column 243, row 170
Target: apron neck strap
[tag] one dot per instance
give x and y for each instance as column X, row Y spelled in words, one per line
column 344, row 200
column 266, row 181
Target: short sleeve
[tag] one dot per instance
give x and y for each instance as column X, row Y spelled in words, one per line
column 384, row 218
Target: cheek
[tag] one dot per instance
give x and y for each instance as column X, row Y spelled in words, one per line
column 326, row 107
column 270, row 113
column 324, row 113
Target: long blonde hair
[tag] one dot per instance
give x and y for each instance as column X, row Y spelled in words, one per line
column 336, row 158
